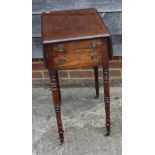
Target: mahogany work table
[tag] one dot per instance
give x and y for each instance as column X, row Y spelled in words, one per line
column 75, row 39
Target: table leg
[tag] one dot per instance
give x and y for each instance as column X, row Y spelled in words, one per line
column 56, row 101
column 96, row 81
column 57, row 77
column 107, row 99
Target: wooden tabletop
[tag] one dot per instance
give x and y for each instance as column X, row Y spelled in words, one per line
column 70, row 25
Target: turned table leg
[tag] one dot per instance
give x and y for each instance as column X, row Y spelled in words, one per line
column 96, row 81
column 107, row 99
column 57, row 77
column 56, row 101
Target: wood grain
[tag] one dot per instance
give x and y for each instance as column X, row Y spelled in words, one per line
column 81, row 57
column 57, row 102
column 38, row 53
column 68, row 42
column 113, row 21
column 96, row 81
column 71, row 25
column 76, row 45
column 111, row 10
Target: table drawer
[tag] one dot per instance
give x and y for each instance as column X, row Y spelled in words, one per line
column 81, row 58
column 76, row 45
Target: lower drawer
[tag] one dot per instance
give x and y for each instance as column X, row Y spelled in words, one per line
column 82, row 58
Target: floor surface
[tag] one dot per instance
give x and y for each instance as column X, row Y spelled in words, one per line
column 83, row 120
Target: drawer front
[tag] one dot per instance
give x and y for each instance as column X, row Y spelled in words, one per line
column 76, row 45
column 81, row 58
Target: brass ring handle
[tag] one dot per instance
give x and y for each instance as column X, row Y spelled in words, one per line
column 93, row 56
column 61, row 60
column 94, row 44
column 61, row 47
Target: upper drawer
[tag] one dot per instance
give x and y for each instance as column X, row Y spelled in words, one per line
column 76, row 45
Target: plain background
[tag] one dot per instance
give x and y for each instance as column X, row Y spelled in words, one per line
column 138, row 77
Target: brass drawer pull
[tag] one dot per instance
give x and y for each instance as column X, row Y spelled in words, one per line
column 93, row 56
column 61, row 47
column 94, row 44
column 61, row 60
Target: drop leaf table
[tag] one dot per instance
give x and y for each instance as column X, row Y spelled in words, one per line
column 74, row 39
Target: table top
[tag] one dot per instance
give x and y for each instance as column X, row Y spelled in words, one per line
column 70, row 25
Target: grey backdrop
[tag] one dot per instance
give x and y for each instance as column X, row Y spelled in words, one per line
column 110, row 10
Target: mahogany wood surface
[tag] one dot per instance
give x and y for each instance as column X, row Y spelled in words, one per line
column 73, row 46
column 76, row 54
column 57, row 102
column 74, row 39
column 96, row 81
column 71, row 25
